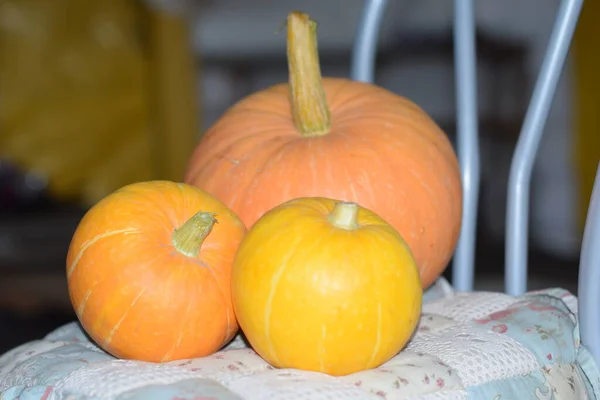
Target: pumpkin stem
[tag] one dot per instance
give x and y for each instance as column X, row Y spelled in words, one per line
column 188, row 238
column 345, row 215
column 309, row 104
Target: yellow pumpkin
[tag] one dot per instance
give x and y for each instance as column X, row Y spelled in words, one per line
column 327, row 286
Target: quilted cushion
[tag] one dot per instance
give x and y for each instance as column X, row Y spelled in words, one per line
column 468, row 345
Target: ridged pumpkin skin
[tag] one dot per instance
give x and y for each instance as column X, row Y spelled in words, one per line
column 382, row 152
column 312, row 296
column 134, row 293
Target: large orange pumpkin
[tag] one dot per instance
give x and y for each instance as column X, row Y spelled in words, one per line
column 149, row 272
column 325, row 286
column 340, row 139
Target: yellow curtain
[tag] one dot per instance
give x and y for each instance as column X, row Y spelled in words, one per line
column 586, row 52
column 174, row 70
column 95, row 94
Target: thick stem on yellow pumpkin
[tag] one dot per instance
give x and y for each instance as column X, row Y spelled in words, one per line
column 345, row 215
column 188, row 238
column 309, row 104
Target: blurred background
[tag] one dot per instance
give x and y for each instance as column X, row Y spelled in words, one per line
column 96, row 95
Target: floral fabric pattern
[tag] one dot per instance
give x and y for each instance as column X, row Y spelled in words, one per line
column 466, row 346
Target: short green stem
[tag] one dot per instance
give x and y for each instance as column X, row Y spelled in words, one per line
column 188, row 238
column 345, row 215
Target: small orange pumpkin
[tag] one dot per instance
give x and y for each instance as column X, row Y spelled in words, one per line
column 149, row 272
column 338, row 139
column 326, row 286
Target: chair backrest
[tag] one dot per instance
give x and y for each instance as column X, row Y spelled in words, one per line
column 363, row 62
column 362, row 69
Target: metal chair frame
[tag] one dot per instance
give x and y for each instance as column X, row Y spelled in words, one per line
column 362, row 69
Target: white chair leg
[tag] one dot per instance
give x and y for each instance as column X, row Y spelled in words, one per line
column 589, row 276
column 517, row 217
column 365, row 43
column 465, row 61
